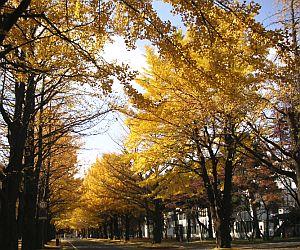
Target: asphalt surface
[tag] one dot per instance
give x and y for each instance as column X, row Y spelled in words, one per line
column 86, row 245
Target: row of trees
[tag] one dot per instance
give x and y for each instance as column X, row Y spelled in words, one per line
column 211, row 100
column 119, row 200
column 52, row 80
column 215, row 112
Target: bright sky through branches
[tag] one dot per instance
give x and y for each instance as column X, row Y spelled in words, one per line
column 112, row 130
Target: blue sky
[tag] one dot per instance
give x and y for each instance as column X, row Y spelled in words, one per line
column 267, row 13
column 266, row 16
column 112, row 131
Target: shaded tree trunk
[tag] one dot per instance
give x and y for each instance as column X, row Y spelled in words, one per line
column 111, row 229
column 127, row 227
column 256, row 230
column 30, row 181
column 210, row 224
column 189, row 230
column 11, row 186
column 157, row 222
column 116, row 227
column 17, row 134
column 219, row 200
column 105, row 235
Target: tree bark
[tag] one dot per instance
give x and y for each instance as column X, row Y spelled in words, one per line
column 189, row 230
column 17, row 134
column 11, row 190
column 157, row 222
column 127, row 227
column 116, row 227
column 210, row 224
column 267, row 234
column 11, row 19
column 219, row 200
column 30, row 182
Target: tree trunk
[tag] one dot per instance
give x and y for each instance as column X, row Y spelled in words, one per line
column 256, row 230
column 111, row 229
column 29, row 225
column 127, row 227
column 11, row 186
column 105, row 235
column 267, row 235
column 222, row 229
column 157, row 222
column 188, row 233
column 11, row 190
column 20, row 213
column 210, row 224
column 30, row 191
column 17, row 134
column 11, row 183
column 116, row 227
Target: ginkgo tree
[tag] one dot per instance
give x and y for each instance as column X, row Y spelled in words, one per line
column 195, row 102
column 205, row 83
column 112, row 193
column 277, row 129
column 116, row 189
column 43, row 59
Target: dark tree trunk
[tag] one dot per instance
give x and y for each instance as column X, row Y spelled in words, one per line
column 111, row 229
column 20, row 214
column 100, row 232
column 39, row 233
column 29, row 224
column 48, row 230
column 210, row 224
column 223, row 219
column 30, row 194
column 11, row 186
column 11, row 183
column 267, row 235
column 188, row 233
column 222, row 229
column 219, row 200
column 257, row 233
column 157, row 222
column 105, row 235
column 11, row 190
column 11, row 19
column 17, row 134
column 127, row 227
column 116, row 227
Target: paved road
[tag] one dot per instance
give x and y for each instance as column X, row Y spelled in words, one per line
column 87, row 244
